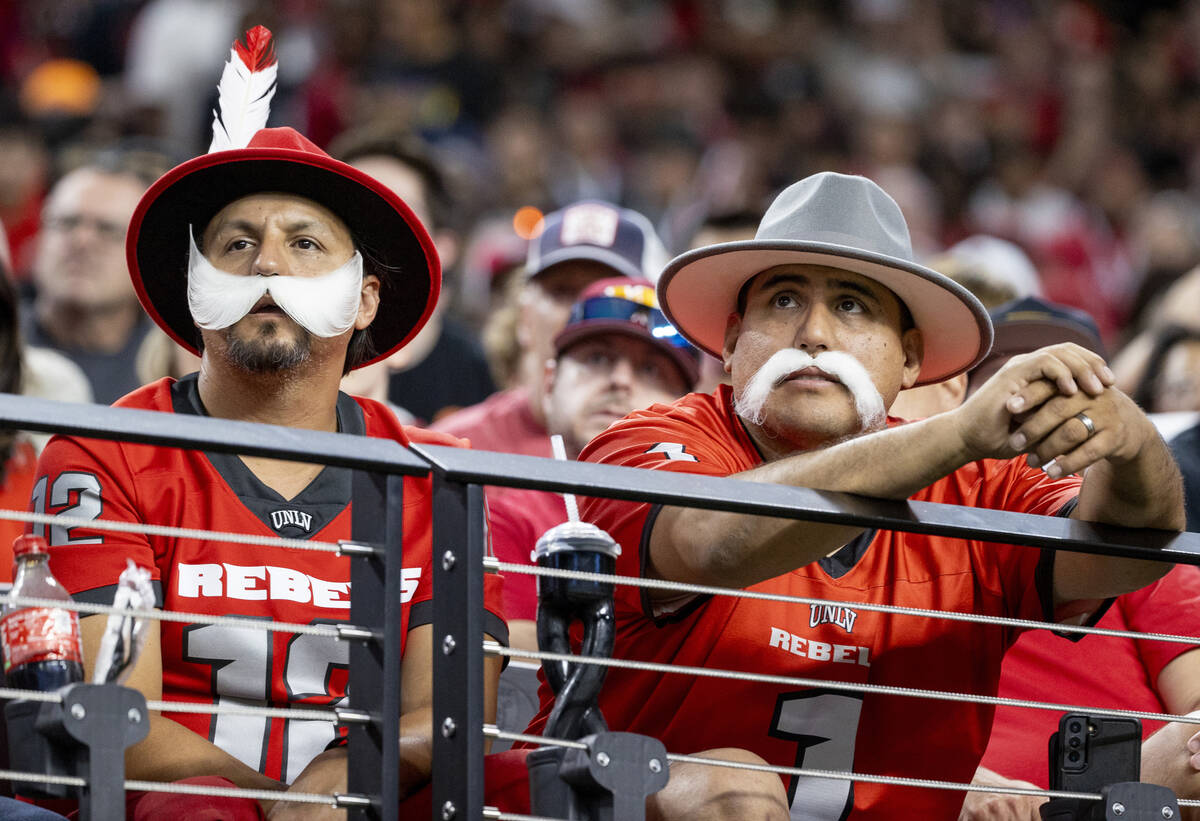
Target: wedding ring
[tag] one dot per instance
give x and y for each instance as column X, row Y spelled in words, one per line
column 1087, row 423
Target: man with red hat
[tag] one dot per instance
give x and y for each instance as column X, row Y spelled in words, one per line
column 821, row 320
column 283, row 269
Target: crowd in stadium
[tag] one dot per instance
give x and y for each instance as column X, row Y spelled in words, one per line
column 1031, row 169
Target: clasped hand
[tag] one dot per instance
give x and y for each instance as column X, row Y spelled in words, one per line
column 1033, row 405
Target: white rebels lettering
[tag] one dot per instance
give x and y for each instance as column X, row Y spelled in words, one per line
column 196, row 580
column 261, row 582
column 240, row 582
column 288, row 584
column 819, row 650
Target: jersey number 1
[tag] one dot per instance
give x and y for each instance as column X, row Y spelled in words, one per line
column 823, row 724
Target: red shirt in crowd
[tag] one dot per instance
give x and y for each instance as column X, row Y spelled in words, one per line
column 1097, row 671
column 823, row 727
column 212, row 663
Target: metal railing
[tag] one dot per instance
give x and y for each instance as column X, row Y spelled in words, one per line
column 459, row 551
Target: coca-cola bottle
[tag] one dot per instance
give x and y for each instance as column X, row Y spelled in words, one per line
column 41, row 644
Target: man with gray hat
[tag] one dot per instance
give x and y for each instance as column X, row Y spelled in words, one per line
column 820, row 321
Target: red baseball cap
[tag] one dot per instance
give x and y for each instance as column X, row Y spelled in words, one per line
column 630, row 307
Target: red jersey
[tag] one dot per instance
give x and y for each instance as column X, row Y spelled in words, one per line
column 818, row 727
column 517, row 520
column 503, row 422
column 1042, row 666
column 215, row 663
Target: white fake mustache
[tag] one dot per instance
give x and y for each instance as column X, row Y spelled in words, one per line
column 843, row 366
column 324, row 305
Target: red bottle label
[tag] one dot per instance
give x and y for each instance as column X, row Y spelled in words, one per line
column 40, row 634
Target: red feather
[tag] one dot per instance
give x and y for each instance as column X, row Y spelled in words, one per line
column 259, row 51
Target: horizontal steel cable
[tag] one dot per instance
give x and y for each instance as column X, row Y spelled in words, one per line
column 43, row 778
column 492, row 731
column 13, row 694
column 191, row 789
column 88, row 608
column 331, row 799
column 949, row 615
column 501, row 815
column 166, row 530
column 243, row 710
column 798, row 681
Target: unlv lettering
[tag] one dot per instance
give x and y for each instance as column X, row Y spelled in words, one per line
column 295, row 518
column 843, row 617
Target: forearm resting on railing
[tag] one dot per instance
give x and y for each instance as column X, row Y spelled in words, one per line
column 737, row 550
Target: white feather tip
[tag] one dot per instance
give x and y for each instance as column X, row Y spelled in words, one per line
column 245, row 91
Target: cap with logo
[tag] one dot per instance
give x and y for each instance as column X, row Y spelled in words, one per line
column 1024, row 325
column 620, row 238
column 629, row 307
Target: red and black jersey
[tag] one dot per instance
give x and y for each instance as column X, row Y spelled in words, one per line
column 217, row 492
column 1098, row 672
column 822, row 728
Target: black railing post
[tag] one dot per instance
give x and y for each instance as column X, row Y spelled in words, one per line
column 458, row 549
column 377, row 517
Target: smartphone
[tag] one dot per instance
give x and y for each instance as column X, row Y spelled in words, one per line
column 1089, row 752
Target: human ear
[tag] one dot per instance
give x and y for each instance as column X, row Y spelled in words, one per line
column 733, row 328
column 368, row 302
column 913, row 344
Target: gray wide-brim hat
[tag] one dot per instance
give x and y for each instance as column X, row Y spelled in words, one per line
column 838, row 221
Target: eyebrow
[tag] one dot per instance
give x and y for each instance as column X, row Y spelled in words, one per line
column 843, row 284
column 252, row 227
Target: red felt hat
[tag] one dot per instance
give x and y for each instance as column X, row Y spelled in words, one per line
column 282, row 160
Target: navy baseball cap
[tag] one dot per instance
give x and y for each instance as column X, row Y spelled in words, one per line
column 630, row 307
column 1026, row 324
column 620, row 238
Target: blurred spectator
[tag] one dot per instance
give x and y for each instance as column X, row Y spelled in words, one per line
column 1171, row 379
column 1165, row 244
column 1154, row 676
column 733, row 226
column 996, row 271
column 500, row 338
column 1027, row 324
column 1081, row 261
column 175, row 49
column 24, row 167
column 418, row 371
column 1041, row 666
column 32, row 372
column 580, row 244
column 1178, row 305
column 617, row 354
column 493, row 253
column 85, row 306
column 160, row 356
column 18, row 459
